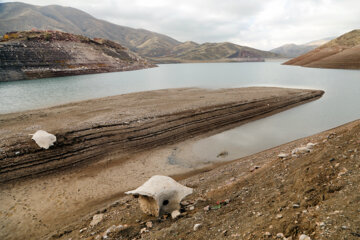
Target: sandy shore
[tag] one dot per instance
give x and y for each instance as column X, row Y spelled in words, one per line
column 131, row 137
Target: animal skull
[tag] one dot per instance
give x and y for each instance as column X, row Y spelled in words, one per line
column 160, row 194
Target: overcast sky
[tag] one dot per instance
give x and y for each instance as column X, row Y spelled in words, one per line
column 263, row 24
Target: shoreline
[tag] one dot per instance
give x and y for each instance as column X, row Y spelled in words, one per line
column 90, row 131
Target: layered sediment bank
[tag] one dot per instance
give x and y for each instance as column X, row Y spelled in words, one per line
column 93, row 130
column 42, row 54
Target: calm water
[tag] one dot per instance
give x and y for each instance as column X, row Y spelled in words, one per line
column 340, row 104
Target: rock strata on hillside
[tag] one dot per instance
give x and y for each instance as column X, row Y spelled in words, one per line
column 39, row 54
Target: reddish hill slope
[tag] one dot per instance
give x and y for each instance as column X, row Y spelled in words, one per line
column 342, row 52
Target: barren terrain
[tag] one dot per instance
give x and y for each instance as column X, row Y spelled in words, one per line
column 107, row 146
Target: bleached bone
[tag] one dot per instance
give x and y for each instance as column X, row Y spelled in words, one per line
column 43, row 139
column 160, row 194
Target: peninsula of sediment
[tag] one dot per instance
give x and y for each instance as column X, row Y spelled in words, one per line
column 39, row 54
column 92, row 130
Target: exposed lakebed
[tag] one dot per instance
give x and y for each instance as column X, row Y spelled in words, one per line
column 339, row 105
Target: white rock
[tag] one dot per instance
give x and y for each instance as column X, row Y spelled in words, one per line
column 283, row 155
column 160, row 194
column 197, row 226
column 304, row 237
column 300, row 150
column 175, row 214
column 96, row 219
column 143, row 230
column 310, row 145
column 280, row 235
column 43, row 139
column 112, row 229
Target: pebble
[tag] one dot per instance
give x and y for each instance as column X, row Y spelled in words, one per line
column 175, row 214
column 96, row 219
column 149, row 224
column 267, row 234
column 143, row 230
column 304, row 237
column 296, row 205
column 279, row 216
column 82, row 230
column 207, row 208
column 283, row 155
column 191, row 208
column 280, row 235
column 197, row 226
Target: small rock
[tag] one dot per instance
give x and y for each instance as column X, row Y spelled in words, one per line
column 224, row 232
column 310, row 145
column 344, row 227
column 149, row 224
column 332, row 159
column 175, row 214
column 283, row 155
column 96, row 219
column 197, row 226
column 191, row 208
column 267, row 234
column 304, row 237
column 207, row 208
column 254, row 168
column 279, row 216
column 143, row 230
column 280, row 235
column 82, row 230
column 295, row 205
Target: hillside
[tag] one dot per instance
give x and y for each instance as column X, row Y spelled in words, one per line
column 342, row 52
column 39, row 54
column 294, row 50
column 21, row 17
column 193, row 52
column 159, row 47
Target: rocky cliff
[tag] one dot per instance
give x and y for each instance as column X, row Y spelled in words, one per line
column 39, row 54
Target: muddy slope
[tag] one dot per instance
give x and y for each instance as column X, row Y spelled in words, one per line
column 261, row 196
column 91, row 130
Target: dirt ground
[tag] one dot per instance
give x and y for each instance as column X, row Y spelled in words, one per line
column 31, row 207
column 257, row 197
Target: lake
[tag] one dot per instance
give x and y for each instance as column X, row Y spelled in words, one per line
column 340, row 103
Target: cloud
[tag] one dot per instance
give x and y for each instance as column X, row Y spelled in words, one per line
column 256, row 23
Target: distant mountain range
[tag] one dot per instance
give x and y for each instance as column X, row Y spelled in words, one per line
column 342, row 52
column 20, row 17
column 293, row 50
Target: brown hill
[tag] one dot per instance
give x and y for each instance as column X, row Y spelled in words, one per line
column 222, row 52
column 39, row 54
column 342, row 52
column 162, row 48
